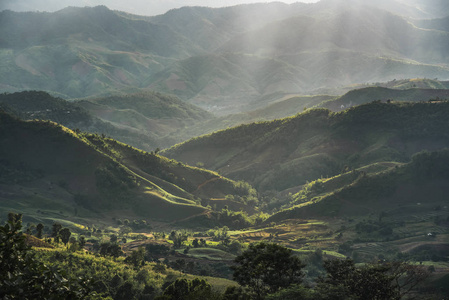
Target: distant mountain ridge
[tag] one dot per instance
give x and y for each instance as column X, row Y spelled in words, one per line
column 220, row 59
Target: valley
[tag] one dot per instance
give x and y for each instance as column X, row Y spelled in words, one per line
column 151, row 157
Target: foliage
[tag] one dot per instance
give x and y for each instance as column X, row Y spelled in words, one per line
column 178, row 238
column 136, row 258
column 293, row 292
column 111, row 249
column 266, row 268
column 389, row 280
column 22, row 276
column 183, row 289
column 65, row 235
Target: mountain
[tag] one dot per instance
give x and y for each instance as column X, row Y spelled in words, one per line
column 286, row 153
column 146, row 120
column 35, row 105
column 149, row 114
column 400, row 190
column 369, row 94
column 435, row 24
column 50, row 171
column 223, row 59
column 83, row 51
column 335, row 45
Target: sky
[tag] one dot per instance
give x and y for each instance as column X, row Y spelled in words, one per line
column 139, row 7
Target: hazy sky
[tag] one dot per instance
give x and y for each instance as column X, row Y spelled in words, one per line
column 141, row 7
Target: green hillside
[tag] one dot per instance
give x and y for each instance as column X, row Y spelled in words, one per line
column 398, row 190
column 35, row 105
column 286, row 153
column 146, row 120
column 49, row 171
column 149, row 114
column 369, row 94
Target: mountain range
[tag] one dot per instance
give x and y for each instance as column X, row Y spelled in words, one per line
column 221, row 58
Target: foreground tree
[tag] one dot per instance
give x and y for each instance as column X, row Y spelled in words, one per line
column 23, row 277
column 266, row 268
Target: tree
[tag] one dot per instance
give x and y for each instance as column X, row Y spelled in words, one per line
column 39, row 229
column 56, row 227
column 195, row 243
column 137, row 258
column 113, row 238
column 183, row 289
column 111, row 249
column 389, row 280
column 266, row 268
column 22, row 276
column 65, row 235
column 178, row 238
column 82, row 241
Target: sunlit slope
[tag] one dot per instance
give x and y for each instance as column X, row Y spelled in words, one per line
column 142, row 120
column 436, row 24
column 285, row 153
column 403, row 190
column 35, row 105
column 229, row 81
column 358, row 28
column 369, row 94
column 209, row 27
column 49, row 170
column 148, row 113
column 303, row 51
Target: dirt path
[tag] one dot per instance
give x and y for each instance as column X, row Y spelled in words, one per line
column 207, row 181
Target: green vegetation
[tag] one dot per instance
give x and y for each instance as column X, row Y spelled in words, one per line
column 267, row 268
column 287, row 153
column 105, row 175
column 296, row 193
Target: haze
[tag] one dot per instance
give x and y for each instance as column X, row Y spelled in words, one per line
column 141, row 7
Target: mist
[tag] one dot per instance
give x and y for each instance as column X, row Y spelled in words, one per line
column 140, row 7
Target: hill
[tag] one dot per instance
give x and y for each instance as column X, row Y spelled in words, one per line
column 153, row 115
column 145, row 120
column 369, row 94
column 51, row 172
column 286, row 153
column 399, row 190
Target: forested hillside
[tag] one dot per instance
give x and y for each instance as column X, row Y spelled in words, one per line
column 50, row 171
column 286, row 153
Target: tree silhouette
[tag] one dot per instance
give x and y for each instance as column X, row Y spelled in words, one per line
column 266, row 268
column 65, row 235
column 39, row 229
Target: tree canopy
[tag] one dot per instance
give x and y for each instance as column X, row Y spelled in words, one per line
column 266, row 268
